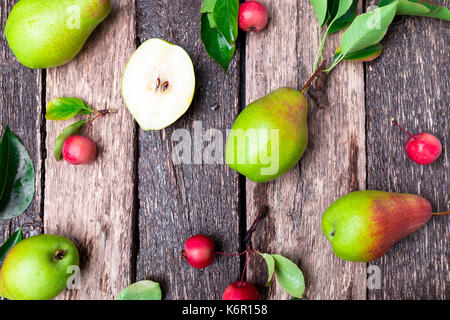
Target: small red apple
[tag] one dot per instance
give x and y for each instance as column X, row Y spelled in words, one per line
column 423, row 148
column 241, row 290
column 253, row 16
column 79, row 150
column 199, row 251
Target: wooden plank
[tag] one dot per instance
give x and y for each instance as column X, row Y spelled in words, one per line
column 410, row 82
column 20, row 109
column 334, row 163
column 178, row 201
column 93, row 204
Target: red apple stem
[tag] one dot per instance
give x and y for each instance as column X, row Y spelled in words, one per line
column 314, row 75
column 99, row 114
column 440, row 213
column 262, row 213
column 245, row 266
column 233, row 254
column 395, row 123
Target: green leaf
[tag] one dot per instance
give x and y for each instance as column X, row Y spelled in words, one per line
column 19, row 187
column 289, row 276
column 367, row 29
column 270, row 266
column 336, row 9
column 367, row 54
column 208, row 6
column 141, row 290
column 215, row 43
column 320, row 9
column 212, row 23
column 225, row 15
column 67, row 132
column 345, row 20
column 15, row 238
column 3, row 164
column 66, row 108
column 419, row 8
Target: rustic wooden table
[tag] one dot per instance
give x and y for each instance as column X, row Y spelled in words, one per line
column 132, row 209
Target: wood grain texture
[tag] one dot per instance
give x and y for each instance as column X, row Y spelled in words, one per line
column 410, row 82
column 20, row 109
column 180, row 200
column 333, row 164
column 93, row 204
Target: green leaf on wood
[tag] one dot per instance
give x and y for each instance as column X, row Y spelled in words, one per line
column 270, row 266
column 367, row 54
column 336, row 9
column 67, row 132
column 208, row 6
column 225, row 15
column 289, row 276
column 320, row 9
column 419, row 8
column 17, row 176
column 141, row 290
column 216, row 44
column 15, row 238
column 367, row 29
column 345, row 20
column 66, row 108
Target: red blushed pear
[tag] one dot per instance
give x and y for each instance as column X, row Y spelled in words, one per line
column 363, row 225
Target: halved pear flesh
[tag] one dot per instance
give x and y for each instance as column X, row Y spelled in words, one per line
column 158, row 84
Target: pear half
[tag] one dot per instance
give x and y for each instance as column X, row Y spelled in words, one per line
column 158, row 84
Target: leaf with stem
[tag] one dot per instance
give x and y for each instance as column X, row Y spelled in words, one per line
column 66, row 108
column 365, row 31
column 343, row 7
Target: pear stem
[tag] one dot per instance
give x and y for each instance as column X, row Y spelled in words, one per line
column 440, row 213
column 395, row 123
column 308, row 83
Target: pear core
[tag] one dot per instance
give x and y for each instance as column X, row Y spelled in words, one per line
column 158, row 84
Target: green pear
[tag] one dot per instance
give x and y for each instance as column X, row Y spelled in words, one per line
column 363, row 225
column 50, row 33
column 269, row 136
column 37, row 268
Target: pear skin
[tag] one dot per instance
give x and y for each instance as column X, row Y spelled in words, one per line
column 269, row 136
column 49, row 33
column 363, row 225
column 37, row 268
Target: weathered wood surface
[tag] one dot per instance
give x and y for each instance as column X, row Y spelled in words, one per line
column 177, row 201
column 20, row 109
column 132, row 209
column 333, row 164
column 410, row 82
column 93, row 205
